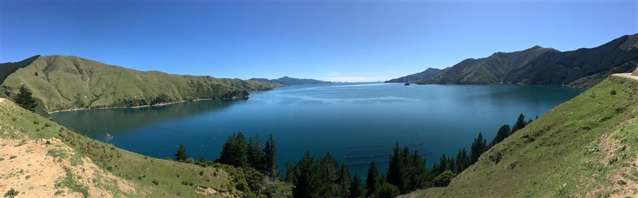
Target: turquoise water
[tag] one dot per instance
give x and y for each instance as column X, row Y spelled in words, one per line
column 356, row 123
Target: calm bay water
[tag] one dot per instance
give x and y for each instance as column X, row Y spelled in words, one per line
column 355, row 123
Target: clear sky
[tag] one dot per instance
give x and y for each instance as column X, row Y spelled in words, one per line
column 362, row 40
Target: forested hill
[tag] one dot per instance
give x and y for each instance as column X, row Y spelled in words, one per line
column 67, row 82
column 287, row 81
column 427, row 74
column 585, row 147
column 537, row 65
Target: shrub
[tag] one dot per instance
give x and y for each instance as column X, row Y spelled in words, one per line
column 387, row 190
column 444, row 178
column 11, row 193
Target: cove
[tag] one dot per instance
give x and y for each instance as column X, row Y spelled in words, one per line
column 356, row 123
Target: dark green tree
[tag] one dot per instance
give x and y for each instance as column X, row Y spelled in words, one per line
column 25, row 99
column 445, row 163
column 387, row 190
column 372, row 182
column 306, row 182
column 462, row 161
column 290, row 173
column 181, row 155
column 397, row 167
column 502, row 133
column 355, row 187
column 270, row 160
column 520, row 123
column 327, row 175
column 235, row 151
column 343, row 182
column 417, row 173
column 256, row 155
column 478, row 147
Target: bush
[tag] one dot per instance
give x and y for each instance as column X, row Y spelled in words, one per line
column 444, row 178
column 11, row 193
column 387, row 190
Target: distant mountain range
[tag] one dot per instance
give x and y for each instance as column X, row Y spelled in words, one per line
column 287, row 81
column 537, row 65
column 67, row 82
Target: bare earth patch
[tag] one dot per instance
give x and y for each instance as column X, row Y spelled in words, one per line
column 47, row 168
column 608, row 146
column 626, row 75
column 625, row 181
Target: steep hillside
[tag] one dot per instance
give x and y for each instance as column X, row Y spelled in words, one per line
column 287, row 81
column 587, row 146
column 65, row 82
column 582, row 67
column 427, row 74
column 39, row 158
column 488, row 70
column 7, row 69
column 537, row 65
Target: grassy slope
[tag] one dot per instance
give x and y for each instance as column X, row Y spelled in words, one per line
column 172, row 178
column 7, row 69
column 65, row 82
column 582, row 147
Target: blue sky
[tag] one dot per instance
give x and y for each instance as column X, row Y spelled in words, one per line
column 330, row 40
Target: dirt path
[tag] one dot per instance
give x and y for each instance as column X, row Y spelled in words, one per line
column 49, row 168
column 626, row 75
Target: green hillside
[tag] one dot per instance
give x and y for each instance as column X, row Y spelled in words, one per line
column 579, row 68
column 585, row 147
column 66, row 82
column 288, row 81
column 7, row 69
column 488, row 70
column 112, row 172
column 427, row 74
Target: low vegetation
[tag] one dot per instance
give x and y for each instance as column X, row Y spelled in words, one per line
column 585, row 147
column 66, row 82
column 146, row 176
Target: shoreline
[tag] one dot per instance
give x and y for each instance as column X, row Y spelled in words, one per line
column 156, row 105
column 134, row 107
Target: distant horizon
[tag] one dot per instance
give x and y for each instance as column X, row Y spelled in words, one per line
column 293, row 76
column 324, row 40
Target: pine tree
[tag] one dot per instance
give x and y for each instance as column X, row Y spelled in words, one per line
column 327, row 175
column 502, row 133
column 305, row 178
column 478, row 147
column 462, row 161
column 372, row 180
column 25, row 99
column 355, row 187
column 235, row 151
column 255, row 154
column 387, row 190
column 520, row 123
column 396, row 167
column 343, row 181
column 445, row 163
column 270, row 162
column 181, row 155
column 416, row 173
column 290, row 173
